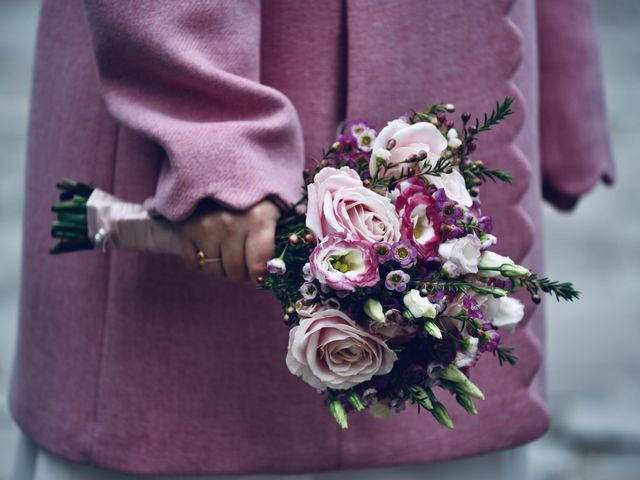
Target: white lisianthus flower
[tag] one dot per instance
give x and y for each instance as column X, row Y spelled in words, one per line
column 419, row 306
column 509, row 313
column 452, row 137
column 504, row 312
column 461, row 255
column 454, row 186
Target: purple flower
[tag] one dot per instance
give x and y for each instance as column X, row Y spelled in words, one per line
column 276, row 266
column 451, row 212
column 383, row 251
column 440, row 197
column 472, row 308
column 485, row 223
column 404, row 253
column 347, row 144
column 397, row 280
column 489, row 340
column 455, row 232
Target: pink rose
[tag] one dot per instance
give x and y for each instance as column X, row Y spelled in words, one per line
column 329, row 350
column 338, row 202
column 416, row 139
column 344, row 264
column 409, row 140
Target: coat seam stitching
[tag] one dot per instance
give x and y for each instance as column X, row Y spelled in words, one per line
column 103, row 334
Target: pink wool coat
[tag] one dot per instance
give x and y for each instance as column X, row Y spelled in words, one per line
column 131, row 362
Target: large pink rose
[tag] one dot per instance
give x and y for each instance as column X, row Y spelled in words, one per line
column 344, row 264
column 414, row 139
column 338, row 202
column 329, row 350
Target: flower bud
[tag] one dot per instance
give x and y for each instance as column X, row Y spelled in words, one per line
column 294, row 239
column 514, row 271
column 466, row 403
column 449, row 107
column 373, row 309
column 421, row 396
column 418, row 305
column 453, row 374
column 355, row 401
column 432, row 329
column 499, row 292
column 467, row 387
column 338, row 412
column 465, row 116
column 441, row 415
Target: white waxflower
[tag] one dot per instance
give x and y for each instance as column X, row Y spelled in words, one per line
column 419, row 306
column 365, row 139
column 306, row 272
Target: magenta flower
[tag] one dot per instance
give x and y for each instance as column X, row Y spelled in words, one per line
column 421, row 225
column 489, row 340
column 397, row 280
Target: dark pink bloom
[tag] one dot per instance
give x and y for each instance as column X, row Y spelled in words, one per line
column 421, row 225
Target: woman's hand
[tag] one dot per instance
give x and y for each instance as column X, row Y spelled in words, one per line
column 239, row 243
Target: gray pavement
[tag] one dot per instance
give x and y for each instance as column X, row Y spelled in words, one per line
column 593, row 358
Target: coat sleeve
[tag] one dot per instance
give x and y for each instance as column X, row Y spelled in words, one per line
column 186, row 74
column 574, row 144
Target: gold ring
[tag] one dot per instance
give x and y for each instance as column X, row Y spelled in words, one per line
column 203, row 259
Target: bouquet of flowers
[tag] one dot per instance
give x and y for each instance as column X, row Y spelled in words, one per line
column 384, row 268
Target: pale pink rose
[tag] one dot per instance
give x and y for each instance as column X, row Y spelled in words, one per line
column 329, row 350
column 339, row 203
column 409, row 140
column 344, row 264
column 414, row 139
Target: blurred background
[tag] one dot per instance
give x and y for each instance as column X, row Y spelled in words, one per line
column 593, row 356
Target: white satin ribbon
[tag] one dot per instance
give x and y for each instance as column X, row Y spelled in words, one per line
column 113, row 223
